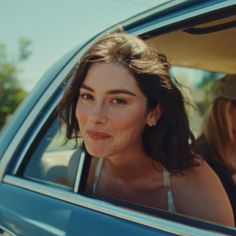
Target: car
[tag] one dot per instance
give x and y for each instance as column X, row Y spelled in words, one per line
column 42, row 179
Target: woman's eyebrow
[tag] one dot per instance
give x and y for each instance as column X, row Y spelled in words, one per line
column 110, row 92
column 87, row 87
column 119, row 91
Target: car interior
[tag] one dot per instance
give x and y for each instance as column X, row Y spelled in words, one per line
column 199, row 54
column 208, row 46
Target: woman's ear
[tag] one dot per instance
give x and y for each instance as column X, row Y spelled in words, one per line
column 154, row 116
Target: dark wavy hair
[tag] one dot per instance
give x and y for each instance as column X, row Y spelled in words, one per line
column 169, row 141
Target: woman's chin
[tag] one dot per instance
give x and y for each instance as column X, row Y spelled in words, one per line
column 96, row 152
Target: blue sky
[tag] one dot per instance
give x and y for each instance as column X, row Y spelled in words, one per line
column 56, row 26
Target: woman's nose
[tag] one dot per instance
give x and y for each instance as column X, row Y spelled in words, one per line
column 98, row 113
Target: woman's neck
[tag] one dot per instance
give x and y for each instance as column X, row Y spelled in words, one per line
column 133, row 167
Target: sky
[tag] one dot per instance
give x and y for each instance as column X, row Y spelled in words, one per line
column 56, row 26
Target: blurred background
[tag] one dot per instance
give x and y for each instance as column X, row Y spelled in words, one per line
column 35, row 34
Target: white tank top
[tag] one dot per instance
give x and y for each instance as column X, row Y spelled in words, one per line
column 166, row 182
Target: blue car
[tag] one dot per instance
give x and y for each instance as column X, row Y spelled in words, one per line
column 42, row 180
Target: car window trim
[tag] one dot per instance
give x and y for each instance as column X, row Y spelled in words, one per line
column 79, row 172
column 211, row 29
column 159, row 24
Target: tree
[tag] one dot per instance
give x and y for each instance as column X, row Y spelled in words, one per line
column 11, row 91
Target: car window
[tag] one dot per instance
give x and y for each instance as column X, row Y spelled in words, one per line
column 51, row 159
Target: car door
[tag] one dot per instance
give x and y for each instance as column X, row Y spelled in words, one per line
column 41, row 190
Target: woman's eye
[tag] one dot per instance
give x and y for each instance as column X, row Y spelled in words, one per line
column 86, row 96
column 118, row 101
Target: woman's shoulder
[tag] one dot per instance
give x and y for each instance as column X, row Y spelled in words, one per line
column 199, row 177
column 200, row 171
column 200, row 186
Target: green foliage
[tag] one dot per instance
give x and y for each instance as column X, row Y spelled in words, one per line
column 11, row 91
column 205, row 86
column 24, row 51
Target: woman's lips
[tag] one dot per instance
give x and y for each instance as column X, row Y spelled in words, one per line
column 98, row 135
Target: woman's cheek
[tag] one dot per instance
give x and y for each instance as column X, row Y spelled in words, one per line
column 128, row 118
column 81, row 114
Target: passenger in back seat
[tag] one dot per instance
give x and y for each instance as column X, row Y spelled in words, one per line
column 217, row 144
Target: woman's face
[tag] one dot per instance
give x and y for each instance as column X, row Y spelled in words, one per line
column 111, row 111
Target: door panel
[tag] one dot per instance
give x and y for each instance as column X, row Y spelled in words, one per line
column 29, row 213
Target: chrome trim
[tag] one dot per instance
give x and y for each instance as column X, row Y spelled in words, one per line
column 79, row 172
column 109, row 209
column 175, row 19
column 154, row 10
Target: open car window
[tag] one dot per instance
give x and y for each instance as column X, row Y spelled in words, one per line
column 51, row 159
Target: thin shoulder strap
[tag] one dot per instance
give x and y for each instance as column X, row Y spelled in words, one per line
column 170, row 198
column 97, row 174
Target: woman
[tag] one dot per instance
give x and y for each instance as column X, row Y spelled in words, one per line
column 217, row 144
column 133, row 122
